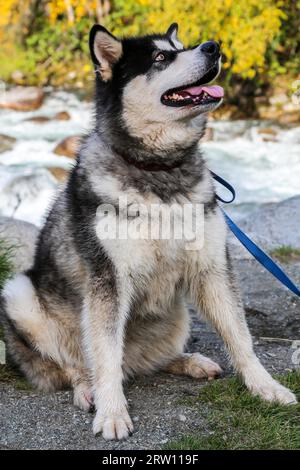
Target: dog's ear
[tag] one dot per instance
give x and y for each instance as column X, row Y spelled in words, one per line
column 172, row 32
column 105, row 49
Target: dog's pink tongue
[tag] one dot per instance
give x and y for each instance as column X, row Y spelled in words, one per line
column 215, row 91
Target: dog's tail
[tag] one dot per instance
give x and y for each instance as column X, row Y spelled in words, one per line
column 21, row 353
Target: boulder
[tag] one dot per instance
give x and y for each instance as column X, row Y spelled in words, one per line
column 274, row 225
column 268, row 134
column 60, row 174
column 38, row 119
column 62, row 116
column 21, row 237
column 68, row 146
column 272, row 310
column 6, row 143
column 26, row 193
column 290, row 118
column 268, row 131
column 22, row 98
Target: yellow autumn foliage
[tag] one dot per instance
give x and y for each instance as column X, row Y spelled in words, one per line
column 249, row 31
column 244, row 27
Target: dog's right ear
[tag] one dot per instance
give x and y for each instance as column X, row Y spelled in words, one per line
column 172, row 32
column 105, row 49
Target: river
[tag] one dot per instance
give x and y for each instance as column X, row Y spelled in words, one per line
column 259, row 158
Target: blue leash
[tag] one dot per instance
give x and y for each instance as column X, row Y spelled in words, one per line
column 255, row 251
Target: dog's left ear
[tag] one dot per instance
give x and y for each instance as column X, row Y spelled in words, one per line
column 105, row 49
column 172, row 32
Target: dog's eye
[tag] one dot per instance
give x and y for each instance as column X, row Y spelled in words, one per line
column 159, row 57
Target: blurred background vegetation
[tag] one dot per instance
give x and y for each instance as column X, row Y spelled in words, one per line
column 45, row 42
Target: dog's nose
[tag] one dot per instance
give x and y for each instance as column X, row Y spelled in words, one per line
column 210, row 48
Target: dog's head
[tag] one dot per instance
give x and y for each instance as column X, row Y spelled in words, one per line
column 154, row 80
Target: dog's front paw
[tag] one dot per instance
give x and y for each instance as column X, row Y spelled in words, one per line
column 274, row 392
column 113, row 425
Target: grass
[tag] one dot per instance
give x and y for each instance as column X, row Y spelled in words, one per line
column 286, row 253
column 7, row 373
column 10, row 376
column 5, row 261
column 237, row 420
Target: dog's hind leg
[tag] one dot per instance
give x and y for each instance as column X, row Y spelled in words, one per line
column 44, row 374
column 82, row 390
column 21, row 319
column 157, row 343
column 194, row 365
column 40, row 345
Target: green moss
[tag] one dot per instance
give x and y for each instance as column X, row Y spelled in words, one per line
column 10, row 376
column 286, row 253
column 237, row 420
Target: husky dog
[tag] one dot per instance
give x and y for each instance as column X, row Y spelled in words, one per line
column 92, row 310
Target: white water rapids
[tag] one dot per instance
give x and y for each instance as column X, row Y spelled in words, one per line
column 260, row 171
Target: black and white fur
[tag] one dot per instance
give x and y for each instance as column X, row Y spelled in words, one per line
column 91, row 312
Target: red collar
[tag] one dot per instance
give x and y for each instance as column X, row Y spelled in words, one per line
column 148, row 165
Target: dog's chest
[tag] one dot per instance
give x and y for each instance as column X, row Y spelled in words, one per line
column 144, row 238
column 150, row 272
column 144, row 259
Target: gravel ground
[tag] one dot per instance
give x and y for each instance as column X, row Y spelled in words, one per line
column 31, row 420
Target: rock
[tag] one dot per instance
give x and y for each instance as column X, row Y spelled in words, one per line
column 22, row 98
column 272, row 310
column 279, row 99
column 275, row 225
column 269, row 139
column 68, row 146
column 182, row 418
column 62, row 116
column 59, row 173
column 268, row 131
column 22, row 237
column 6, row 143
column 268, row 134
column 26, row 193
column 38, row 119
column 267, row 112
column 290, row 118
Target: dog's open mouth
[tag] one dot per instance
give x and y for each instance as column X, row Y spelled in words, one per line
column 197, row 93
